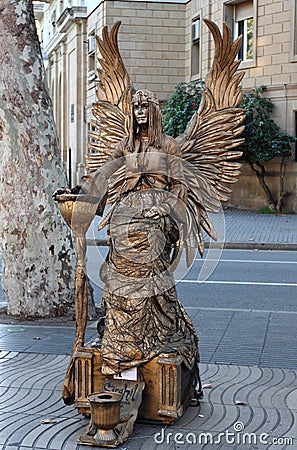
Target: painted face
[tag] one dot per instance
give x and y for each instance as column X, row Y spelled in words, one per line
column 140, row 110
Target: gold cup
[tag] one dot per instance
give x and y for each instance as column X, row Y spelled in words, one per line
column 105, row 415
column 78, row 210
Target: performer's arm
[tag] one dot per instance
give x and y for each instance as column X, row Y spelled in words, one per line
column 175, row 204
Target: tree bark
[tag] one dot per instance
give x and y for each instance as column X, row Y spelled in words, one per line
column 37, row 251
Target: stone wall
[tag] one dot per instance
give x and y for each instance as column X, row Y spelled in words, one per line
column 248, row 194
column 151, row 40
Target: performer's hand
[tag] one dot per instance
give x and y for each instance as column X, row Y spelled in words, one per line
column 157, row 211
column 152, row 213
column 61, row 191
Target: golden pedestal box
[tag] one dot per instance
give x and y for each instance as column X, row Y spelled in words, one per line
column 168, row 385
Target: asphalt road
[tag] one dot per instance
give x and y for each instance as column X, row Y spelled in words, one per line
column 244, row 279
column 231, row 279
column 245, row 312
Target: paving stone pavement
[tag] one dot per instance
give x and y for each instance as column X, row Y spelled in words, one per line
column 243, row 408
column 40, row 339
column 263, row 341
column 272, row 231
column 251, row 399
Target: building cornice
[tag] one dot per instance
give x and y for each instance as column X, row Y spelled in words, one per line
column 275, row 87
column 54, row 43
column 70, row 15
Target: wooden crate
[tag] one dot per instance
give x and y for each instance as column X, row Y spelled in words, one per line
column 168, row 384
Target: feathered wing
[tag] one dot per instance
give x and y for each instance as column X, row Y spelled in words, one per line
column 209, row 143
column 112, row 110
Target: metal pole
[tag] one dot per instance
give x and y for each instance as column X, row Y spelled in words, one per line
column 69, row 168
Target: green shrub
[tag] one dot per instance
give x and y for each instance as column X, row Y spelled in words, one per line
column 264, row 140
column 181, row 106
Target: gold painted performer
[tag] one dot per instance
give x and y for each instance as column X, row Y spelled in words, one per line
column 160, row 190
column 143, row 315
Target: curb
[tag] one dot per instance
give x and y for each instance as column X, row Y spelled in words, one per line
column 226, row 245
column 260, row 246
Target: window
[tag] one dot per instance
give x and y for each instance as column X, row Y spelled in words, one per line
column 245, row 28
column 91, row 44
column 195, row 53
column 239, row 16
column 91, row 137
column 91, row 57
column 53, row 18
column 72, row 112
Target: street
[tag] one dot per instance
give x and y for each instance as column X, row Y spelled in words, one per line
column 242, row 280
column 246, row 312
column 245, row 280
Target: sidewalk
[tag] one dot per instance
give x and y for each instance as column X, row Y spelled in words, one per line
column 244, row 229
column 253, row 407
column 247, row 229
column 248, row 399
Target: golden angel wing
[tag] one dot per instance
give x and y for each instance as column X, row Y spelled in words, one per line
column 115, row 83
column 112, row 111
column 209, row 142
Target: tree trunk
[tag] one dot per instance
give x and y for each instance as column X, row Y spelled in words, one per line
column 282, row 192
column 37, row 251
column 259, row 170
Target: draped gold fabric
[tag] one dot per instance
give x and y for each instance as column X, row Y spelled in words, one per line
column 143, row 314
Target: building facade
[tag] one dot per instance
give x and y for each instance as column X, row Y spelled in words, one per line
column 163, row 43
